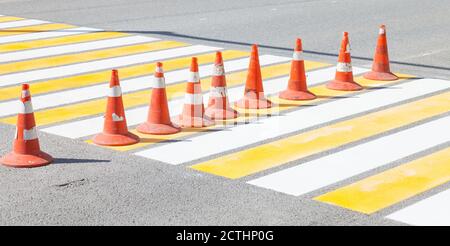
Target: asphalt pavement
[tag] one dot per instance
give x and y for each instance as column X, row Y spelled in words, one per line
column 89, row 185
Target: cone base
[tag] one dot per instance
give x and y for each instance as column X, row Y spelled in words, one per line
column 26, row 161
column 344, row 86
column 221, row 114
column 296, row 95
column 252, row 103
column 157, row 129
column 195, row 122
column 383, row 76
column 115, row 139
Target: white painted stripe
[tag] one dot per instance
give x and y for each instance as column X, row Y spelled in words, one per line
column 21, row 23
column 433, row 211
column 114, row 91
column 128, row 85
column 82, row 128
column 297, row 56
column 29, row 134
column 336, row 167
column 72, row 48
column 49, row 34
column 272, row 127
column 25, row 107
column 193, row 99
column 218, row 92
column 194, row 77
column 344, row 67
column 159, row 82
column 67, row 70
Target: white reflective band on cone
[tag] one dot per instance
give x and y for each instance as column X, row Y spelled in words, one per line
column 297, row 56
column 25, row 107
column 194, row 77
column 381, row 31
column 344, row 67
column 115, row 117
column 29, row 134
column 218, row 70
column 218, row 92
column 25, row 93
column 115, row 91
column 347, row 48
column 159, row 70
column 194, row 99
column 159, row 82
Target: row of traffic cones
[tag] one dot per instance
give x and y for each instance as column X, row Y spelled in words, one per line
column 27, row 153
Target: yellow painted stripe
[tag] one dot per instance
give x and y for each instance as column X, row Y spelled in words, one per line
column 394, row 185
column 97, row 106
column 292, row 148
column 33, row 29
column 41, row 43
column 9, row 18
column 86, row 56
column 8, row 93
column 232, row 79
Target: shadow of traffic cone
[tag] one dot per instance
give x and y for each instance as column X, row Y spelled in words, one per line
column 380, row 65
column 158, row 118
column 115, row 130
column 254, row 92
column 297, row 88
column 218, row 105
column 26, row 150
column 193, row 114
column 344, row 75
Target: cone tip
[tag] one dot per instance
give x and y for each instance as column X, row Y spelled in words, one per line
column 25, row 86
column 159, row 64
column 298, row 44
column 345, row 34
column 114, row 78
column 194, row 65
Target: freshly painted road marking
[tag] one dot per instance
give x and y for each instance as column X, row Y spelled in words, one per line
column 58, row 42
column 9, row 18
column 128, row 85
column 137, row 115
column 339, row 166
column 60, row 31
column 54, row 72
column 282, row 151
column 243, row 135
column 55, row 27
column 54, row 61
column 432, row 211
column 394, row 185
column 88, row 79
column 72, row 48
column 21, row 23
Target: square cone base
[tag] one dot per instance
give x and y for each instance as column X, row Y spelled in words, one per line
column 383, row 76
column 296, row 95
column 221, row 114
column 26, row 161
column 253, row 103
column 115, row 139
column 344, row 85
column 192, row 122
column 158, row 129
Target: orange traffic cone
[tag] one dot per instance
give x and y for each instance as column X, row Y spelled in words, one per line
column 115, row 131
column 218, row 105
column 158, row 119
column 297, row 88
column 254, row 92
column 344, row 75
column 193, row 114
column 380, row 65
column 26, row 151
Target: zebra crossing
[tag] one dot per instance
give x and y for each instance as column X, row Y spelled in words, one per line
column 296, row 148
